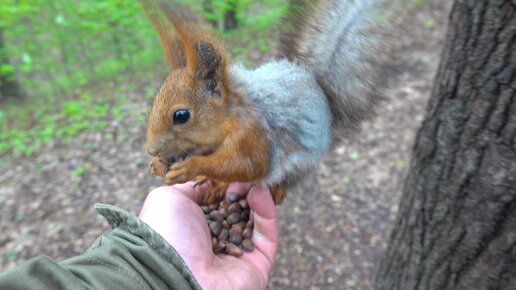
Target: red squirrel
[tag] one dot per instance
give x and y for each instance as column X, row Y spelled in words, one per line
column 219, row 122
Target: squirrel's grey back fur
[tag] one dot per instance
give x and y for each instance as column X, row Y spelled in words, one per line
column 344, row 43
column 293, row 112
column 329, row 78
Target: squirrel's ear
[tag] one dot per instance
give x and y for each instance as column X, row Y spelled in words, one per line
column 185, row 45
column 209, row 61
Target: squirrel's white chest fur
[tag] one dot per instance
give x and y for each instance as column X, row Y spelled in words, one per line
column 294, row 113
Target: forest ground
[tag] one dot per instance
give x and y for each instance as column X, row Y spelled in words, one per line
column 334, row 227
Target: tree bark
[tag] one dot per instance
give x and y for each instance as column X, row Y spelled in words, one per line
column 9, row 87
column 456, row 227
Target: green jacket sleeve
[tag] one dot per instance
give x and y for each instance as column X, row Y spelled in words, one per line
column 131, row 256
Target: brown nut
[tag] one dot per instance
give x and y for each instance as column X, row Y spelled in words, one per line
column 224, row 235
column 233, row 196
column 244, row 215
column 235, row 229
column 216, row 216
column 235, row 208
column 205, row 209
column 240, row 224
column 249, row 224
column 233, row 218
column 247, row 233
column 225, row 203
column 236, row 239
column 224, row 211
column 243, row 203
column 215, row 227
column 247, row 245
column 220, row 246
column 233, row 250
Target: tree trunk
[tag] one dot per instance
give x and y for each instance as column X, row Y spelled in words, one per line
column 9, row 87
column 208, row 7
column 456, row 227
column 230, row 21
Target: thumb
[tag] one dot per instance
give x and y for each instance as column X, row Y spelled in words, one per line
column 266, row 229
column 260, row 201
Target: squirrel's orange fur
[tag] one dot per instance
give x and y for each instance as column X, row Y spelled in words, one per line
column 225, row 149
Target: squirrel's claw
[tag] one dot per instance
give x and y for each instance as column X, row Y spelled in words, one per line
column 180, row 172
column 216, row 190
column 201, row 179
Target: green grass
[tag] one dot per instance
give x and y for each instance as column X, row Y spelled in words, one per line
column 36, row 126
column 79, row 171
column 429, row 22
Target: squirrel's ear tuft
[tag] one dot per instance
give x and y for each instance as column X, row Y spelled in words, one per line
column 185, row 45
column 209, row 61
column 175, row 33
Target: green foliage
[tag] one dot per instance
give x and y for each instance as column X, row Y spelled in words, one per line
column 59, row 46
column 251, row 15
column 69, row 119
column 59, row 49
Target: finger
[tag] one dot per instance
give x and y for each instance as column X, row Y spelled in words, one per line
column 266, row 229
column 242, row 188
column 195, row 193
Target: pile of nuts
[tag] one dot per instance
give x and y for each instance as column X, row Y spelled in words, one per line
column 231, row 225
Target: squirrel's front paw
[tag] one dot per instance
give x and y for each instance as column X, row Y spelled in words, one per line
column 157, row 167
column 216, row 192
column 181, row 172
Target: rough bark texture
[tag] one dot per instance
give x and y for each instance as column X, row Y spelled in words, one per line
column 456, row 226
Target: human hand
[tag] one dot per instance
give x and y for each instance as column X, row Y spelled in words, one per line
column 174, row 213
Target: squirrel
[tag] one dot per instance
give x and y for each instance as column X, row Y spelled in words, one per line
column 219, row 122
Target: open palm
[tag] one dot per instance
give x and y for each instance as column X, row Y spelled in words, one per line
column 174, row 213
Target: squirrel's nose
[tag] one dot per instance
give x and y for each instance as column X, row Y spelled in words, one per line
column 152, row 152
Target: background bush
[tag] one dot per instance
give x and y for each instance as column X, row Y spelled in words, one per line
column 57, row 55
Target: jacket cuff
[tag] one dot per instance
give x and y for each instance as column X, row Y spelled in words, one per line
column 120, row 219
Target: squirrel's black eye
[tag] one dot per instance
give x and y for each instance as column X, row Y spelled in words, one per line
column 181, row 116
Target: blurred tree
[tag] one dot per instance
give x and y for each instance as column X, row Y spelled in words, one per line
column 456, row 226
column 230, row 21
column 9, row 87
column 221, row 14
column 207, row 6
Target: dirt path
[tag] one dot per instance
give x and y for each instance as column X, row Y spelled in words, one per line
column 333, row 228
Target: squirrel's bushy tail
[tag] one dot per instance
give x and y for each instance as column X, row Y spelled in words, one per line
column 343, row 42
